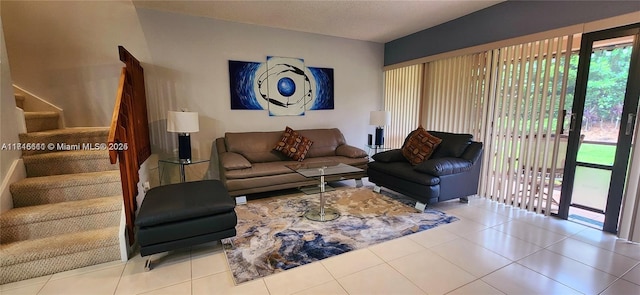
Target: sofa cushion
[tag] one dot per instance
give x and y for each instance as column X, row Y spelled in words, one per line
column 293, row 145
column 419, row 146
column 444, row 166
column 261, row 169
column 257, row 147
column 234, row 161
column 325, row 141
column 452, row 145
column 390, row 156
column 405, row 171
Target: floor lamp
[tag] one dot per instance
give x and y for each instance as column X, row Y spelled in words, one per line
column 380, row 119
column 183, row 123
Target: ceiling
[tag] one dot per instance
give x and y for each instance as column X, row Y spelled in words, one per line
column 377, row 21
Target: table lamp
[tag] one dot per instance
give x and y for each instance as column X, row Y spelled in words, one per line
column 183, row 123
column 380, row 119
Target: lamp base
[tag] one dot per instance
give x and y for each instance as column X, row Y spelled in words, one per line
column 379, row 136
column 184, row 147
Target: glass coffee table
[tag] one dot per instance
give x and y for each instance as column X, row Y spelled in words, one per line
column 319, row 171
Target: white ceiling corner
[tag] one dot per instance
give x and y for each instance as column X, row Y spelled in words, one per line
column 376, row 21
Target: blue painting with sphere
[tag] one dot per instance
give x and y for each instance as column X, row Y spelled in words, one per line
column 284, row 86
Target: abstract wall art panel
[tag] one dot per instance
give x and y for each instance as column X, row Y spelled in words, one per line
column 284, row 86
column 323, row 96
column 288, row 87
column 242, row 86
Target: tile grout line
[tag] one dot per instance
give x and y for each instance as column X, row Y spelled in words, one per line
column 408, row 279
column 517, row 260
column 191, row 268
column 629, row 270
column 541, row 246
column 548, row 276
column 570, row 259
column 611, row 284
column 599, row 249
column 484, row 276
column 45, row 283
column 334, row 278
column 120, row 278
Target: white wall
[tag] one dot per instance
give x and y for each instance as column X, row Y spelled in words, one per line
column 66, row 52
column 8, row 127
column 190, row 70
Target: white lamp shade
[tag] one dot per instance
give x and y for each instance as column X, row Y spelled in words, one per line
column 182, row 122
column 380, row 118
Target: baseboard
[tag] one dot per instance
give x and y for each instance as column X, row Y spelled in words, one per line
column 16, row 172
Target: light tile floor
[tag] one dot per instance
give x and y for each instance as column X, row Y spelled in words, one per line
column 492, row 249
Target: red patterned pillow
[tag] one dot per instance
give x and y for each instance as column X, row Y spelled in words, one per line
column 419, row 146
column 293, row 145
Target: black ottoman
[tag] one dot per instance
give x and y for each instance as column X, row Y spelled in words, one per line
column 184, row 214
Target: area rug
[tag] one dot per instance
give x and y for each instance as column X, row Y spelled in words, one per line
column 273, row 236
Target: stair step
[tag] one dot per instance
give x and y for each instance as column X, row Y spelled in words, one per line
column 19, row 100
column 35, row 258
column 76, row 138
column 41, row 121
column 67, row 187
column 36, row 222
column 68, row 162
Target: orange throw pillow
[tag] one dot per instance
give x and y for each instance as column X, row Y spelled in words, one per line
column 293, row 145
column 419, row 146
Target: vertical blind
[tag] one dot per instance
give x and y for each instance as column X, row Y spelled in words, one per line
column 402, row 95
column 455, row 93
column 511, row 99
column 523, row 135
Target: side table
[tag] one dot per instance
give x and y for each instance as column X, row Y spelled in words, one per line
column 375, row 149
column 182, row 163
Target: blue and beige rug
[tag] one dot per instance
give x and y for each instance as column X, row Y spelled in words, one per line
column 273, row 236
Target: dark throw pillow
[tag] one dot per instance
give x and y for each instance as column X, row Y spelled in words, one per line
column 293, row 145
column 453, row 144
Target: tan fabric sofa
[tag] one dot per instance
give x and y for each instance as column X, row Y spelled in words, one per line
column 248, row 163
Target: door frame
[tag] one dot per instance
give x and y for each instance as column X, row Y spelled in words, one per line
column 623, row 147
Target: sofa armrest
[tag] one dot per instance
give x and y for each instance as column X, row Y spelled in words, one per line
column 390, row 156
column 444, row 166
column 350, row 151
column 234, row 161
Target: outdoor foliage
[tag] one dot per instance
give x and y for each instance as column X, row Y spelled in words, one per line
column 606, row 86
column 605, row 93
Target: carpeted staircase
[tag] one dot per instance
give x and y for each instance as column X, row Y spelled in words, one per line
column 67, row 211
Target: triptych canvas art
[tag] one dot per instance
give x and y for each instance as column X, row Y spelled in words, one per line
column 284, row 86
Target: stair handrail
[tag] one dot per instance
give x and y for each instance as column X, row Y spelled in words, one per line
column 128, row 142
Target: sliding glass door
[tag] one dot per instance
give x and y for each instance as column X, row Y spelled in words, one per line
column 604, row 113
